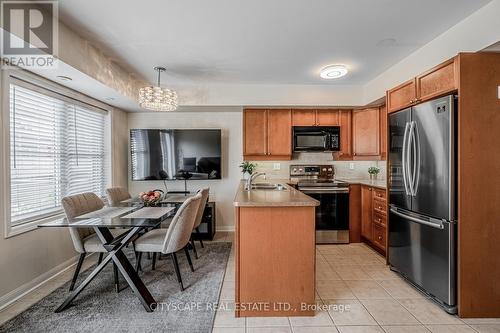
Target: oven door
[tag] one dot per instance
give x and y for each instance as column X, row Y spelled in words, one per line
column 332, row 214
column 307, row 141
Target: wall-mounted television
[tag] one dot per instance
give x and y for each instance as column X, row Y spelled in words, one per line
column 170, row 154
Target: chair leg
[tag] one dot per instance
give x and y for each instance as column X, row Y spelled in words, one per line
column 177, row 271
column 100, row 258
column 138, row 262
column 194, row 248
column 115, row 273
column 201, row 240
column 189, row 258
column 154, row 261
column 77, row 271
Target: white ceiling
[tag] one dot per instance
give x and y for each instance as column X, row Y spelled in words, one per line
column 259, row 41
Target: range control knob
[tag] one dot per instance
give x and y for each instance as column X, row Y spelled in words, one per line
column 324, row 169
column 330, row 169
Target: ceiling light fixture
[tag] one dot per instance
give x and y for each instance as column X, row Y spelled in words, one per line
column 158, row 98
column 64, row 78
column 333, row 71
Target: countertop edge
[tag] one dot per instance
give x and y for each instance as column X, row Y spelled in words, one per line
column 308, row 201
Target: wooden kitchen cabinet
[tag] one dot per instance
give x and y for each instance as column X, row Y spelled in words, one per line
column 401, row 96
column 366, row 133
column 267, row 134
column 383, row 132
column 304, row 117
column 327, row 117
column 366, row 212
column 438, row 81
column 345, row 122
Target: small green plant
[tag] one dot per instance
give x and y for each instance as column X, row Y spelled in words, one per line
column 373, row 170
column 248, row 167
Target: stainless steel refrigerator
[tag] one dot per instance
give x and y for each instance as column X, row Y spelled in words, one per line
column 422, row 212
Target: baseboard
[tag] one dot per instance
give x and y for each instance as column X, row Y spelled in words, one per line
column 26, row 288
column 225, row 228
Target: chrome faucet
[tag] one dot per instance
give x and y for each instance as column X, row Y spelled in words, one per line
column 252, row 177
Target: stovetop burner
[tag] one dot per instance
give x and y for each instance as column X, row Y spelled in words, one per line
column 322, row 183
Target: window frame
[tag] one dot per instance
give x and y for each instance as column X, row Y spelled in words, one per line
column 41, row 85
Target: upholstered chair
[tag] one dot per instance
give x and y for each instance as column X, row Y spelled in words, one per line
column 116, row 195
column 175, row 238
column 85, row 240
column 199, row 216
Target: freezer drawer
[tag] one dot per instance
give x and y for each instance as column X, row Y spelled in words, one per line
column 425, row 255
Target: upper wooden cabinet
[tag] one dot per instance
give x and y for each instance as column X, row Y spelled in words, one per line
column 303, row 117
column 267, row 134
column 383, row 132
column 345, row 122
column 311, row 117
column 438, row 81
column 366, row 133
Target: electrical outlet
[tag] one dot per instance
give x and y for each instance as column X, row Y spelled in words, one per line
column 276, row 166
column 351, row 166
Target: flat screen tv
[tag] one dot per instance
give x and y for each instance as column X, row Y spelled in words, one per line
column 170, row 154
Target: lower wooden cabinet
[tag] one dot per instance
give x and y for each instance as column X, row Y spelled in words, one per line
column 374, row 216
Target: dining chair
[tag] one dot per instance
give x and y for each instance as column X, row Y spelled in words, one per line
column 85, row 240
column 116, row 195
column 199, row 217
column 175, row 238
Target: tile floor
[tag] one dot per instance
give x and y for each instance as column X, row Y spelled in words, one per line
column 363, row 294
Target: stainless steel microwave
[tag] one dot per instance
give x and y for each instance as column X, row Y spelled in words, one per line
column 316, row 138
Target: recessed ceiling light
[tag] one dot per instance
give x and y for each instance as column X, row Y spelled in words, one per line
column 333, row 71
column 64, row 78
column 387, row 42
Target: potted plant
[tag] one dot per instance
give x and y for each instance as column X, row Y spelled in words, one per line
column 247, row 168
column 373, row 171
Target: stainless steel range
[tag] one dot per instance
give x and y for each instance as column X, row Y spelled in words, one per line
column 332, row 215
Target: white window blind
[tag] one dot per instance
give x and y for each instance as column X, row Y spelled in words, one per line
column 57, row 148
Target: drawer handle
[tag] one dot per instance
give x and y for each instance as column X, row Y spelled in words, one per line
column 379, row 237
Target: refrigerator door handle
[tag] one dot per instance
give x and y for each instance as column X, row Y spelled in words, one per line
column 410, row 171
column 438, row 223
column 404, row 158
column 416, row 158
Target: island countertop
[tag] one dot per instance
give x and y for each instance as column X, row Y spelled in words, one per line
column 272, row 198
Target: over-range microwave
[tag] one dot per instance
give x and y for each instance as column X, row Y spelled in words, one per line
column 316, row 138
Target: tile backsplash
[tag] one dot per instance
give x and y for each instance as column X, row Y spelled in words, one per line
column 342, row 168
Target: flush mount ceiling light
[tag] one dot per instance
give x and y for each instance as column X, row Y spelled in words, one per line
column 64, row 78
column 157, row 98
column 333, row 71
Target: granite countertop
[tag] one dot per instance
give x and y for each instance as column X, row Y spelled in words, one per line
column 272, row 198
column 375, row 183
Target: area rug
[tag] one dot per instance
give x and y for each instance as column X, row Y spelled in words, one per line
column 100, row 309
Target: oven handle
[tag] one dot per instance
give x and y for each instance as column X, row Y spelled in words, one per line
column 313, row 190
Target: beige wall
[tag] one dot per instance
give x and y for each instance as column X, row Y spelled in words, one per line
column 119, row 148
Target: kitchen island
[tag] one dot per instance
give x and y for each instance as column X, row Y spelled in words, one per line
column 275, row 252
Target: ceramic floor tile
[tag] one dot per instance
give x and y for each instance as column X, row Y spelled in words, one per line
column 400, row 289
column 367, row 290
column 315, row 329
column 267, row 321
column 228, row 330
column 321, row 318
column 334, row 290
column 360, row 329
column 406, row 329
column 339, row 260
column 349, row 313
column 226, row 318
column 450, row 329
column 351, row 272
column 428, row 312
column 486, row 328
column 389, row 312
column 284, row 329
column 227, row 291
column 326, row 274
column 482, row 320
column 368, row 259
column 380, row 272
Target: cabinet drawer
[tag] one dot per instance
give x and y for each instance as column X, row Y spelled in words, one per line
column 379, row 236
column 379, row 206
column 379, row 193
column 379, row 219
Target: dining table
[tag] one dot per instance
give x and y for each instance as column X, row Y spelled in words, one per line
column 132, row 220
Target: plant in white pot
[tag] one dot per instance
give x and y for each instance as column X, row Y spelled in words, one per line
column 247, row 168
column 373, row 172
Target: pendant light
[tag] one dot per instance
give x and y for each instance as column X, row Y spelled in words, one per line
column 157, row 98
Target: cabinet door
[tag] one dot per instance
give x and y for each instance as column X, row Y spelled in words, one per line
column 438, row 81
column 366, row 212
column 345, row 152
column 383, row 132
column 365, row 132
column 303, row 117
column 402, row 96
column 279, row 136
column 327, row 117
column 255, row 132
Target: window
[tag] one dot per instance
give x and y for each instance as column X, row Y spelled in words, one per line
column 57, row 148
